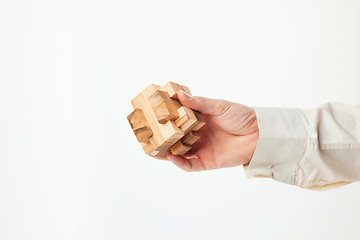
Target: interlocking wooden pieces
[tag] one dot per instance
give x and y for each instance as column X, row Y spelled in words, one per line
column 161, row 124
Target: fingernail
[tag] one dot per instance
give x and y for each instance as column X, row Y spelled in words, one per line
column 186, row 94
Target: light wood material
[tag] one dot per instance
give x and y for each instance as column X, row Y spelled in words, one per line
column 190, row 138
column 180, row 149
column 149, row 149
column 162, row 133
column 174, row 133
column 139, row 102
column 167, row 111
column 140, row 126
column 186, row 120
column 168, row 131
column 159, row 97
column 173, row 88
column 164, row 147
column 200, row 121
column 183, row 116
column 172, row 125
column 143, row 132
column 136, row 117
column 185, row 89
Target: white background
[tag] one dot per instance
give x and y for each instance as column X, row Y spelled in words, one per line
column 70, row 166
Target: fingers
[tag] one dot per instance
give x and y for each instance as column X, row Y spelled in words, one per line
column 160, row 158
column 181, row 162
column 204, row 105
column 188, row 165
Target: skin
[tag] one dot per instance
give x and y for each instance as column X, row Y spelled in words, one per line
column 228, row 139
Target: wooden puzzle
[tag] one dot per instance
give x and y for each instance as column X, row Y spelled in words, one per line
column 161, row 124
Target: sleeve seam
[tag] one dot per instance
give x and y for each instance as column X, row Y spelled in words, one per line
column 340, row 146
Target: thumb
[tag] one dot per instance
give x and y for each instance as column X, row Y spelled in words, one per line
column 203, row 104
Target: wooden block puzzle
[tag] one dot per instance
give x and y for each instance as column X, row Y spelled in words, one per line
column 161, row 124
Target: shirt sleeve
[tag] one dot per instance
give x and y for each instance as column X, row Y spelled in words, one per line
column 316, row 149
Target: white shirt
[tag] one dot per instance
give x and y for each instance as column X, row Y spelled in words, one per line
column 314, row 149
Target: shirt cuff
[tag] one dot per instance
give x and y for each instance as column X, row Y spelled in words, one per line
column 282, row 143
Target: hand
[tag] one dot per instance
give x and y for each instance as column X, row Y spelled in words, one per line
column 228, row 139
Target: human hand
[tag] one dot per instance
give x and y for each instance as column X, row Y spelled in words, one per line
column 228, row 139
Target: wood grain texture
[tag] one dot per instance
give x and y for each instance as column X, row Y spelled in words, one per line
column 164, row 135
column 179, row 148
column 173, row 126
column 136, row 117
column 159, row 97
column 140, row 125
column 186, row 120
column 172, row 88
column 190, row 138
column 149, row 149
column 139, row 102
column 166, row 112
column 200, row 121
column 186, row 89
column 169, row 131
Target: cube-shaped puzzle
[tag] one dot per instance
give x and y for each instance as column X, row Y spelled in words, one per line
column 161, row 124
